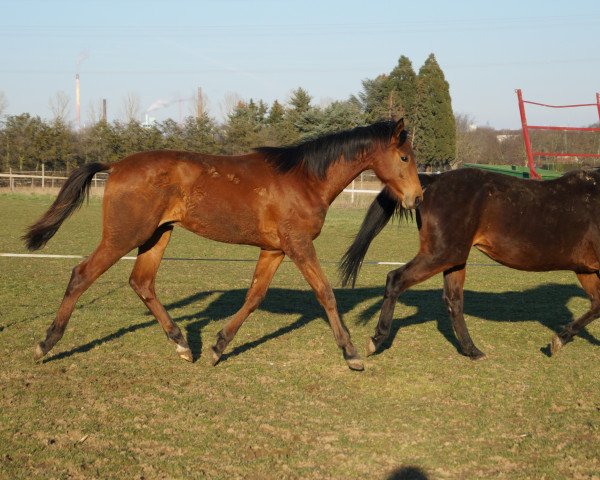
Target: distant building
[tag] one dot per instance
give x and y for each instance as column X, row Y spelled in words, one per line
column 149, row 122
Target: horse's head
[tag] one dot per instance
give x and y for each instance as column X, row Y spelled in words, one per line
column 395, row 165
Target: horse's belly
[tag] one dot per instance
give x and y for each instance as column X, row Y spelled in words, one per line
column 236, row 229
column 537, row 257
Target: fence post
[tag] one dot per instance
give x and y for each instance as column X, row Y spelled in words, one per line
column 10, row 179
column 526, row 138
column 43, row 175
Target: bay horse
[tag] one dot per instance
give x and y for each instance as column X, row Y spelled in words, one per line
column 522, row 224
column 274, row 198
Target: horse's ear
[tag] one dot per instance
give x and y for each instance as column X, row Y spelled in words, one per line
column 399, row 128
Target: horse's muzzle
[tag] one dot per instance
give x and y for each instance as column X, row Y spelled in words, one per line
column 410, row 202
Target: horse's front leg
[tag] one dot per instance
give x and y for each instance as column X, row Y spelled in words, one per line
column 267, row 265
column 417, row 270
column 304, row 256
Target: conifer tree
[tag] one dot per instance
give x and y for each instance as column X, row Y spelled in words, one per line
column 435, row 128
column 391, row 96
column 403, row 91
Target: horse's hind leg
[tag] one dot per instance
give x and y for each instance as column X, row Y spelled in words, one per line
column 82, row 277
column 142, row 281
column 267, row 265
column 591, row 284
column 454, row 280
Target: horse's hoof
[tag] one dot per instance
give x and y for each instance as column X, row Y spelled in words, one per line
column 355, row 364
column 38, row 353
column 371, row 347
column 353, row 358
column 215, row 356
column 477, row 356
column 555, row 345
column 185, row 353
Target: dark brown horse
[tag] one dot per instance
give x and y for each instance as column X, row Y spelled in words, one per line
column 523, row 224
column 273, row 198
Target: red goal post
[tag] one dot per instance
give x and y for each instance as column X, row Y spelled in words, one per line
column 527, row 139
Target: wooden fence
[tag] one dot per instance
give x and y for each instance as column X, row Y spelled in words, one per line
column 41, row 180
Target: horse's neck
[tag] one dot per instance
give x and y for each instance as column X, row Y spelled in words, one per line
column 339, row 175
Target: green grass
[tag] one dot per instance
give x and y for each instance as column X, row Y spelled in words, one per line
column 114, row 401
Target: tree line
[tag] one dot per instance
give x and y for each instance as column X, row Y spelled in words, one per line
column 423, row 99
column 440, row 138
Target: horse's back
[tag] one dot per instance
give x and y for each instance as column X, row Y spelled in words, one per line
column 524, row 224
column 233, row 199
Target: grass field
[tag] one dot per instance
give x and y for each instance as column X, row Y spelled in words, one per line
column 113, row 400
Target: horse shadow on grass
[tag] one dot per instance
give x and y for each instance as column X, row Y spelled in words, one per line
column 546, row 304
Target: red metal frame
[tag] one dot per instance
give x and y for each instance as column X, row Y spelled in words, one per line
column 527, row 139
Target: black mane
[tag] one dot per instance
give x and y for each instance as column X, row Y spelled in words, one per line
column 316, row 155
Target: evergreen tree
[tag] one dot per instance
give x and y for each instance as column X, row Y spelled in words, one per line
column 403, row 90
column 279, row 131
column 435, row 129
column 100, row 143
column 276, row 114
column 391, row 96
column 245, row 128
column 59, row 149
column 23, row 142
column 340, row 116
column 173, row 134
column 200, row 134
column 374, row 98
column 300, row 101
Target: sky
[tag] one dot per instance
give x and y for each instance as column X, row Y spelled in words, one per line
column 161, row 52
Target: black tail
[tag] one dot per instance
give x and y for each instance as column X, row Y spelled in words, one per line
column 380, row 211
column 377, row 217
column 69, row 199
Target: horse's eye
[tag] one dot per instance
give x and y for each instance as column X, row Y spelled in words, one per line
column 404, row 159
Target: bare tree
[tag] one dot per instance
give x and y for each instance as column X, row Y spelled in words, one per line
column 3, row 103
column 131, row 107
column 95, row 111
column 229, row 103
column 467, row 148
column 59, row 105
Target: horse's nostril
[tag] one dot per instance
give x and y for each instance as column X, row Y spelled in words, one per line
column 418, row 201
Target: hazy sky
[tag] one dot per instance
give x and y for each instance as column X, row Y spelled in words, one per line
column 164, row 50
